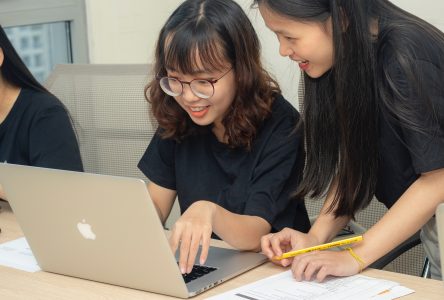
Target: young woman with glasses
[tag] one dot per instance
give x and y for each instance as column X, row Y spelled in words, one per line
column 226, row 144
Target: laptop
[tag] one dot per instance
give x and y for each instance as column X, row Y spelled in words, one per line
column 106, row 229
column 440, row 226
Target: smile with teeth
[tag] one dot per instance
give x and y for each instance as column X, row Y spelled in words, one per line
column 197, row 108
column 303, row 64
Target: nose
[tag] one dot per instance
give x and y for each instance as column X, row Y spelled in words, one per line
column 188, row 95
column 284, row 49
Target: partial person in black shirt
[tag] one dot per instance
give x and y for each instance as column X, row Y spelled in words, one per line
column 374, row 119
column 35, row 128
column 226, row 144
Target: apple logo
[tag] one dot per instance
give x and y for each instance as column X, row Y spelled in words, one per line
column 86, row 230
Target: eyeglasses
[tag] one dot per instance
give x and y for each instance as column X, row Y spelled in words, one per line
column 202, row 88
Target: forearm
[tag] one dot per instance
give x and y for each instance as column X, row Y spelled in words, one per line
column 2, row 194
column 159, row 213
column 327, row 225
column 415, row 207
column 163, row 200
column 240, row 231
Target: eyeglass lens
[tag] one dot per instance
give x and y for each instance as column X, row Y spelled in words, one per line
column 173, row 87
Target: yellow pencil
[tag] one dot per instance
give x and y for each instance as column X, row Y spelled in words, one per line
column 320, row 247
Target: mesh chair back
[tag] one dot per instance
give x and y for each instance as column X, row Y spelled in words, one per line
column 109, row 112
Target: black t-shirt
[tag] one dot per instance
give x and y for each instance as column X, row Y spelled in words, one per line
column 256, row 183
column 406, row 153
column 38, row 132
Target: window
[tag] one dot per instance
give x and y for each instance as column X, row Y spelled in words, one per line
column 46, row 33
column 48, row 45
column 24, row 42
column 37, row 41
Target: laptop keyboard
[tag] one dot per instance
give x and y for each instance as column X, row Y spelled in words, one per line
column 198, row 271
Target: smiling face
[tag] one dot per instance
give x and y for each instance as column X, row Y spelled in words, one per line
column 212, row 110
column 310, row 44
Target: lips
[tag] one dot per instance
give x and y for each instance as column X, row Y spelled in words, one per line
column 304, row 65
column 197, row 108
column 198, row 111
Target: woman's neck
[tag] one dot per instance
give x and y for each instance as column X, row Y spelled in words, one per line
column 8, row 96
column 219, row 132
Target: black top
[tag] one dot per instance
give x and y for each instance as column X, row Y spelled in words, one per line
column 38, row 132
column 256, row 183
column 406, row 153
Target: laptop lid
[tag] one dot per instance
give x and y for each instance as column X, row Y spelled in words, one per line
column 105, row 228
column 440, row 226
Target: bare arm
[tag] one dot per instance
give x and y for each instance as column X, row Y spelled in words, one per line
column 327, row 225
column 401, row 221
column 412, row 210
column 240, row 231
column 323, row 230
column 163, row 200
column 2, row 194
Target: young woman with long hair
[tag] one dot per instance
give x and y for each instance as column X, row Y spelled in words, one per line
column 35, row 128
column 374, row 125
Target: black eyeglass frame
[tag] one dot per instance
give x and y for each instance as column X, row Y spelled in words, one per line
column 212, row 82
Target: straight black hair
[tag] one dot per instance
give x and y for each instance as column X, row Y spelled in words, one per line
column 342, row 108
column 13, row 70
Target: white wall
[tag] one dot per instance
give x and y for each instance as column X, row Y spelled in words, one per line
column 125, row 31
column 430, row 10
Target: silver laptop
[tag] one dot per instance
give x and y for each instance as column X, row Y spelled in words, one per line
column 440, row 227
column 106, row 229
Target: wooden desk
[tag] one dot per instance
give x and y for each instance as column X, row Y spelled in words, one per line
column 15, row 284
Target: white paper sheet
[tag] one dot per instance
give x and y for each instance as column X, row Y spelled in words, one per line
column 17, row 254
column 284, row 287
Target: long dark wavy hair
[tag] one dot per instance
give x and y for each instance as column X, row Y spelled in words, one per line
column 220, row 32
column 343, row 107
column 13, row 70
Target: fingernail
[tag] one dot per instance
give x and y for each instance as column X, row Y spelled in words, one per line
column 182, row 270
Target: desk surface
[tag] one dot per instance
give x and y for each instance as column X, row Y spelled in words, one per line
column 16, row 284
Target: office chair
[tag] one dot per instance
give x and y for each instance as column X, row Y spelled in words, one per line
column 110, row 115
column 406, row 258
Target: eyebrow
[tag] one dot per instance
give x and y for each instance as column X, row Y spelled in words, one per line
column 193, row 72
column 278, row 31
column 283, row 32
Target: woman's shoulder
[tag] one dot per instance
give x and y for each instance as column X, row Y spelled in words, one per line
column 40, row 102
column 410, row 42
column 42, row 99
column 283, row 119
column 282, row 108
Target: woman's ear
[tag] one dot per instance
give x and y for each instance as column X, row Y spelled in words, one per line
column 2, row 56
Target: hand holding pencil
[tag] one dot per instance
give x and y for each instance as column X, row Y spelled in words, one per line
column 319, row 247
column 279, row 247
column 284, row 241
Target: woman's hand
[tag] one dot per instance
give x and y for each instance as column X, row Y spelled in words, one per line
column 194, row 227
column 318, row 265
column 275, row 244
column 310, row 266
